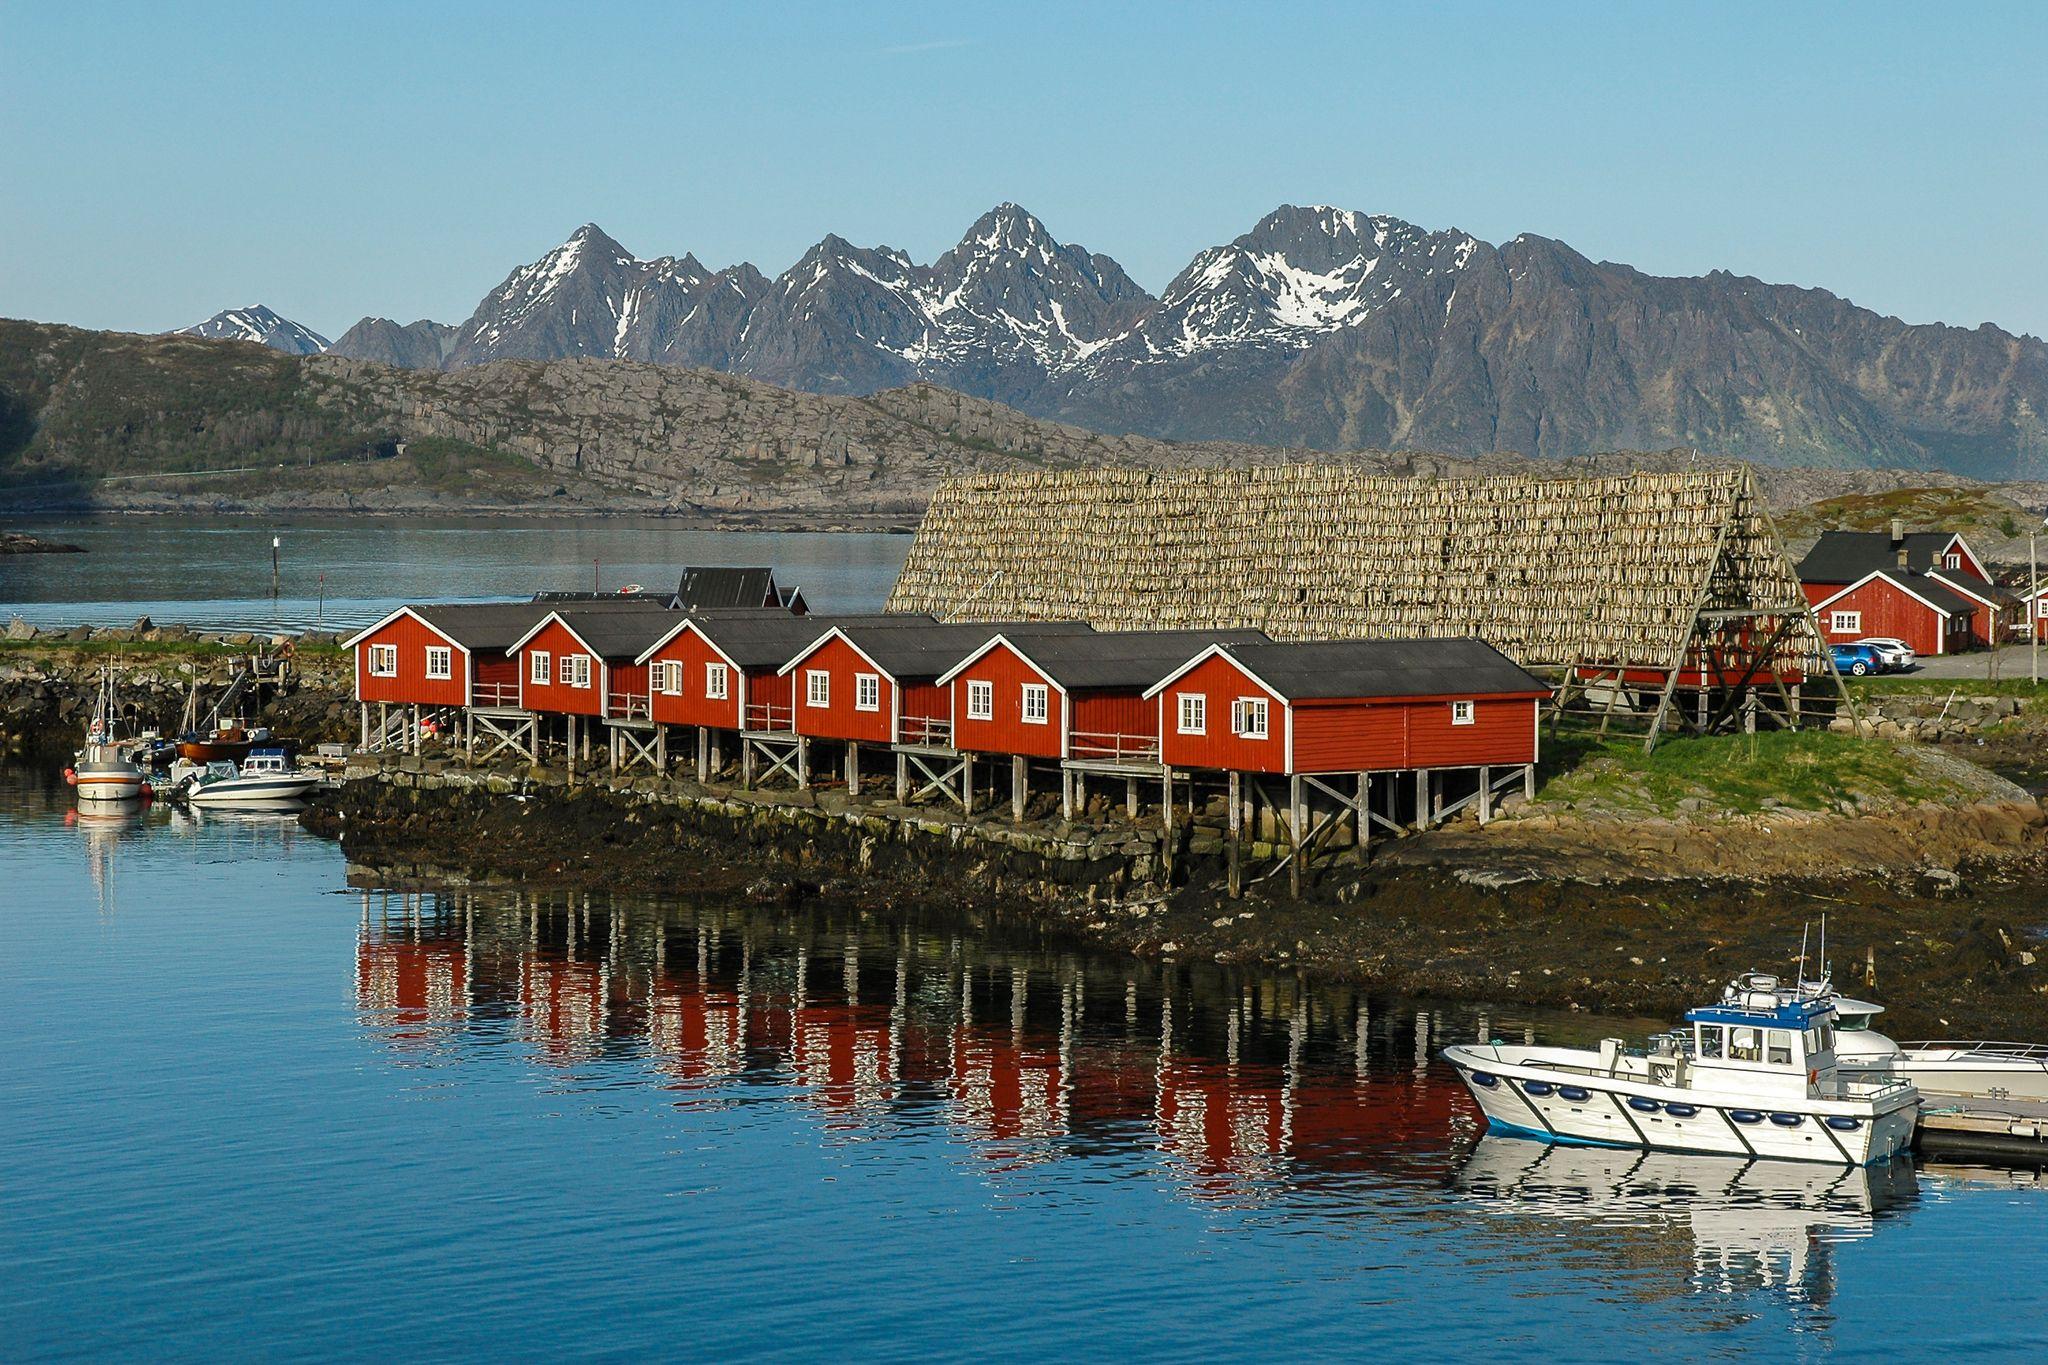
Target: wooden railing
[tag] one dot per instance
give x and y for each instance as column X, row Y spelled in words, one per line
column 929, row 730
column 494, row 694
column 628, row 705
column 1106, row 746
column 767, row 718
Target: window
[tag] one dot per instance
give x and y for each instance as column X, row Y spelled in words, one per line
column 1194, row 713
column 1710, row 1040
column 1746, row 1044
column 668, row 677
column 383, row 661
column 1779, row 1052
column 867, row 692
column 1952, row 560
column 1845, row 622
column 1462, row 712
column 539, row 668
column 1248, row 717
column 1036, row 704
column 981, row 701
column 440, row 662
column 717, row 682
column 575, row 670
column 817, row 687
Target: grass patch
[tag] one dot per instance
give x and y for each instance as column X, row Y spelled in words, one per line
column 1897, row 686
column 1804, row 770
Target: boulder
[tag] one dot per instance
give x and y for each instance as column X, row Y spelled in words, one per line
column 18, row 629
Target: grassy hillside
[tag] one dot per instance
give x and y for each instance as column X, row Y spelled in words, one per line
column 1992, row 521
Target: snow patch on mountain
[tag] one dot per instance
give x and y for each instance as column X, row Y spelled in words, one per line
column 259, row 324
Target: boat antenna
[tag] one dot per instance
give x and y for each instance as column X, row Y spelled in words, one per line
column 1825, row 974
column 1799, row 974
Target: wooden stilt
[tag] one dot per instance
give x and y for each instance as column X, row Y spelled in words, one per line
column 1066, row 795
column 661, row 750
column 1294, row 840
column 717, row 752
column 902, row 779
column 803, row 762
column 1361, row 811
column 1165, row 818
column 1485, row 794
column 569, row 747
column 1131, row 795
column 703, row 755
column 415, row 729
column 746, row 766
column 1019, row 782
column 365, row 708
column 1236, row 825
column 1529, row 783
column 967, row 785
column 1422, row 798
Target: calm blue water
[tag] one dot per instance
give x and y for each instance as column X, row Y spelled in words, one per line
column 341, row 573
column 246, row 1111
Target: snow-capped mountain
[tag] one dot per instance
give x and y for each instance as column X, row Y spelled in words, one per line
column 258, row 324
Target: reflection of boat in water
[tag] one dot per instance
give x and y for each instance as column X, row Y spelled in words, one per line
column 1754, row 1224
column 1753, row 1075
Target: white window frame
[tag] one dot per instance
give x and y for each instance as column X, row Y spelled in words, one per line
column 1037, row 703
column 383, row 661
column 1845, row 623
column 981, row 700
column 575, row 670
column 667, row 677
column 867, row 691
column 1952, row 560
column 445, row 657
column 540, row 670
column 817, row 688
column 717, row 682
column 1193, row 713
column 1464, row 713
column 1251, row 718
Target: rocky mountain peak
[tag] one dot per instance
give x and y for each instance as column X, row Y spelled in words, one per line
column 259, row 324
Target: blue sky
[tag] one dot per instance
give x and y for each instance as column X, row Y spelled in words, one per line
column 162, row 161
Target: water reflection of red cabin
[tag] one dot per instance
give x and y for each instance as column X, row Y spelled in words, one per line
column 409, row 985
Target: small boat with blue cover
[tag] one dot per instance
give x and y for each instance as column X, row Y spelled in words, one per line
column 1753, row 1075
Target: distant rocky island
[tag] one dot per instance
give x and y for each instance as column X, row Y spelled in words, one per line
column 19, row 543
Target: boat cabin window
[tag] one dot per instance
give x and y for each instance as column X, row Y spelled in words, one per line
column 1851, row 1023
column 1820, row 1038
column 1779, row 1051
column 1710, row 1040
column 1745, row 1044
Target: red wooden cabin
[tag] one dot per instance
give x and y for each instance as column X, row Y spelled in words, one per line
column 1928, row 615
column 878, row 683
column 1070, row 696
column 723, row 670
column 452, row 654
column 583, row 662
column 1348, row 706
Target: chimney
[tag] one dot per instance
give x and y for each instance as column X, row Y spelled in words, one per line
column 1899, row 541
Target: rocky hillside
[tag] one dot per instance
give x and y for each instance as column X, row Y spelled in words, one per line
column 1318, row 327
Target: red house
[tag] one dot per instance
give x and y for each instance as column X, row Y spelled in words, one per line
column 456, row 654
column 1348, row 706
column 1071, row 696
column 581, row 661
column 723, row 670
column 1919, row 609
column 879, row 683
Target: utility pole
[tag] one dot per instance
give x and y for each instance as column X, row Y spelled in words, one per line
column 276, row 542
column 2034, row 602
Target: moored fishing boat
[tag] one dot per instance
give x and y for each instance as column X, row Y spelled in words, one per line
column 103, row 769
column 1753, row 1075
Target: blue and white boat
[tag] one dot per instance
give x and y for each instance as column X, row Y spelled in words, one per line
column 265, row 777
column 1753, row 1075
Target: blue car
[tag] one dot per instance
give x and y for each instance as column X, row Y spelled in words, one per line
column 1856, row 660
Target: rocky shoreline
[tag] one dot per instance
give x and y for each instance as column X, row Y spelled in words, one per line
column 20, row 543
column 1552, row 907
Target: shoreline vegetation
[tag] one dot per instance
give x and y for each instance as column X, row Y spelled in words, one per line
column 1632, row 882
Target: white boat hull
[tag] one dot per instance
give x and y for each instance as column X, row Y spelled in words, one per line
column 1539, row 1102
column 252, row 791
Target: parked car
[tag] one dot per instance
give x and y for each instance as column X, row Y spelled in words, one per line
column 1856, row 660
column 1895, row 655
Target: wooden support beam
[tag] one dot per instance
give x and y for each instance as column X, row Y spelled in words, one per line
column 1485, row 794
column 852, row 769
column 415, row 734
column 902, row 780
column 703, row 755
column 1019, row 786
column 570, row 723
column 1131, row 795
column 1361, row 810
column 365, row 708
column 1165, row 817
column 1422, row 811
column 1236, row 835
column 967, row 784
column 746, row 765
column 803, row 762
column 1294, row 822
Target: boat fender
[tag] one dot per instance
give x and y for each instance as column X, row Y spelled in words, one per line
column 71, row 777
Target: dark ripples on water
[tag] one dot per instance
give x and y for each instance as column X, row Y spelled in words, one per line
column 251, row 1112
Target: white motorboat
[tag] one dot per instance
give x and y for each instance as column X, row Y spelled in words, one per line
column 1948, row 1068
column 103, row 769
column 266, row 777
column 1753, row 1075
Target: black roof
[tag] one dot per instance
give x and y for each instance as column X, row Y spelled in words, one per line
column 480, row 625
column 620, row 634
column 909, row 649
column 1123, row 658
column 643, row 598
column 1457, row 667
column 1845, row 556
column 708, row 588
column 1965, row 584
column 770, row 639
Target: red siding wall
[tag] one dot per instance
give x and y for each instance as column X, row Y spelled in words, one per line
column 1006, row 673
column 691, row 706
column 839, row 720
column 1348, row 736
column 494, row 679
column 1816, row 593
column 1105, row 724
column 555, row 640
column 412, row 637
column 1889, row 612
column 768, row 688
column 1222, row 682
column 624, row 680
